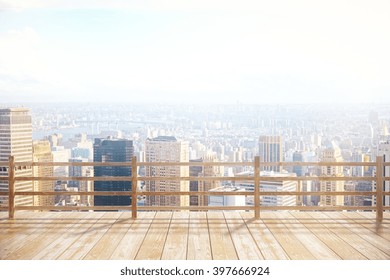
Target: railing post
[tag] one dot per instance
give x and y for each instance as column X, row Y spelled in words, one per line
column 134, row 183
column 11, row 187
column 299, row 198
column 379, row 188
column 257, row 187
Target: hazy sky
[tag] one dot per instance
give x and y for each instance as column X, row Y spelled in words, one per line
column 278, row 51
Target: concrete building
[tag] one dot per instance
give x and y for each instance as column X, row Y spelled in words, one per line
column 60, row 154
column 16, row 140
column 226, row 200
column 271, row 150
column 332, row 154
column 167, row 149
column 277, row 185
column 42, row 153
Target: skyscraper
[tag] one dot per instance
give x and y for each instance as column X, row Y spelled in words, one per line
column 167, row 149
column 112, row 150
column 332, row 154
column 16, row 140
column 271, row 150
column 42, row 153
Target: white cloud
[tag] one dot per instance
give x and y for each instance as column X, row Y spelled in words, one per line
column 275, row 50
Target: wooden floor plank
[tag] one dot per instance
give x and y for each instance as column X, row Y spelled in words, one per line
column 15, row 233
column 222, row 246
column 372, row 216
column 376, row 240
column 104, row 248
column 245, row 245
column 269, row 246
column 287, row 239
column 198, row 237
column 377, row 228
column 70, row 233
column 194, row 235
column 154, row 242
column 39, row 241
column 90, row 236
column 338, row 245
column 177, row 239
column 315, row 245
column 365, row 248
column 130, row 244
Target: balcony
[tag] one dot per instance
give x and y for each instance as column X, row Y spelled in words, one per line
column 196, row 233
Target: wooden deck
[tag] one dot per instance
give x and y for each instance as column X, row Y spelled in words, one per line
column 194, row 236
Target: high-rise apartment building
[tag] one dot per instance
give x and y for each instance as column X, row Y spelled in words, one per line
column 271, row 150
column 16, row 140
column 112, row 150
column 42, row 153
column 332, row 154
column 167, row 149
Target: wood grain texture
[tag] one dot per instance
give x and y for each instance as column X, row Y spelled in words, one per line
column 154, row 242
column 194, row 236
column 199, row 247
column 220, row 238
column 266, row 241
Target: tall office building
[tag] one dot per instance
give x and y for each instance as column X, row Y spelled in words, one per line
column 42, row 153
column 271, row 150
column 384, row 150
column 16, row 140
column 167, row 149
column 112, row 150
column 332, row 154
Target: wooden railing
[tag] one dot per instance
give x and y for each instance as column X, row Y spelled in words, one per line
column 256, row 178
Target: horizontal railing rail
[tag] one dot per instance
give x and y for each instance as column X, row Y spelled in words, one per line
column 255, row 178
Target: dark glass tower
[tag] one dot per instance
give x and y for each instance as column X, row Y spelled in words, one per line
column 112, row 150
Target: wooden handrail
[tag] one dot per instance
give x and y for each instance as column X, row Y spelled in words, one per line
column 11, row 188
column 243, row 163
column 379, row 188
column 379, row 178
column 134, row 183
column 257, row 187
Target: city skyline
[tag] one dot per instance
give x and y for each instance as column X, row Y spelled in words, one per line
column 198, row 52
column 223, row 133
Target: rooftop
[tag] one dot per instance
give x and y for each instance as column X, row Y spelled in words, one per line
column 251, row 232
column 194, row 236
